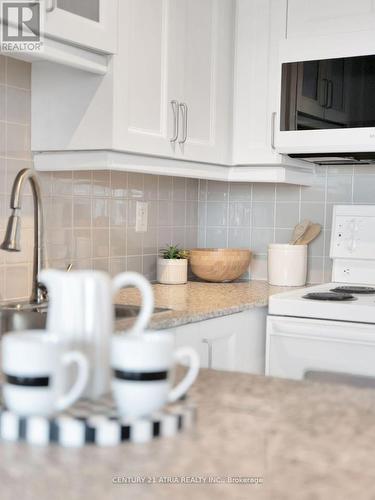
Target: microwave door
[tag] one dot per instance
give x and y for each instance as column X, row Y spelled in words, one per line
column 330, row 93
column 328, row 106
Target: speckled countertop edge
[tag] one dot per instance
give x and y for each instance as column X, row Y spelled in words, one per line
column 197, row 301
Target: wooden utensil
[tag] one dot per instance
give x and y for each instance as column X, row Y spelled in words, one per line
column 309, row 235
column 299, row 231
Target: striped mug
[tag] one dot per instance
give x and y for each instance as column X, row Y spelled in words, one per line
column 34, row 365
column 141, row 371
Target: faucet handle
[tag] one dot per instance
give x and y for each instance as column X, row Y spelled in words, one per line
column 69, row 267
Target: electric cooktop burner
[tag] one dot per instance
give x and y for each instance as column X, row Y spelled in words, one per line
column 354, row 289
column 329, row 296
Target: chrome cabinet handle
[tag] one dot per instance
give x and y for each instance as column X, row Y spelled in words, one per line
column 52, row 7
column 175, row 107
column 273, row 125
column 184, row 112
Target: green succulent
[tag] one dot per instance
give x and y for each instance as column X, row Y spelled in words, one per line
column 173, row 252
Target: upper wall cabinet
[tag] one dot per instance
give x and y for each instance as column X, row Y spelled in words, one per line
column 260, row 26
column 86, row 23
column 192, row 90
column 168, row 92
column 308, row 18
column 173, row 78
column 80, row 34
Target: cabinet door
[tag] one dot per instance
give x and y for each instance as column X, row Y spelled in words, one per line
column 147, row 76
column 328, row 17
column 217, row 347
column 260, row 26
column 88, row 23
column 235, row 342
column 222, row 351
column 207, row 33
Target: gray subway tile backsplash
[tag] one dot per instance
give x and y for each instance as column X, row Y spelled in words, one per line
column 276, row 209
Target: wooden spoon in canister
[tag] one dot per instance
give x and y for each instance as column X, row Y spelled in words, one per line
column 299, row 231
column 309, row 235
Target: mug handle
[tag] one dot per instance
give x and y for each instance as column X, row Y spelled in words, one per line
column 82, row 378
column 147, row 308
column 182, row 354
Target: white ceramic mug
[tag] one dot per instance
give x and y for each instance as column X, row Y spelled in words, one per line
column 141, row 368
column 34, row 364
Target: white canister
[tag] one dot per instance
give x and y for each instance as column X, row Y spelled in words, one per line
column 287, row 264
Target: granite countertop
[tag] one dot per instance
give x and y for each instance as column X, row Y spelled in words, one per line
column 197, row 301
column 306, row 440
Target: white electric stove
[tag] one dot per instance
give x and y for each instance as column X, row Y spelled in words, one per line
column 330, row 328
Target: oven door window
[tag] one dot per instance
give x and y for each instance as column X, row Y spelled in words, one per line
column 328, row 94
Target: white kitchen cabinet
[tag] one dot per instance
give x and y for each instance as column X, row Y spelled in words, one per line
column 207, row 33
column 86, row 23
column 329, row 17
column 146, row 77
column 167, row 92
column 184, row 49
column 260, row 26
column 81, row 35
column 234, row 343
column 182, row 96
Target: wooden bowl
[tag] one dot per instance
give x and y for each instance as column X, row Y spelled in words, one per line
column 219, row 264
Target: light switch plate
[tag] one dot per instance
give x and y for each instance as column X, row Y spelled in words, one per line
column 141, row 217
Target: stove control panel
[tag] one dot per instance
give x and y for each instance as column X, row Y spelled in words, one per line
column 353, row 232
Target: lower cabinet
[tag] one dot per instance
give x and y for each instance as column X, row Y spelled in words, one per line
column 234, row 343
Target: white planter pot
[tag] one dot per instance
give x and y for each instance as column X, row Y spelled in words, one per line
column 172, row 271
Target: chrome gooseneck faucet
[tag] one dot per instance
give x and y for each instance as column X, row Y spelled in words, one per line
column 11, row 241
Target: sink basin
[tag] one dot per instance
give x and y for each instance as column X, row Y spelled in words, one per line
column 29, row 317
column 125, row 311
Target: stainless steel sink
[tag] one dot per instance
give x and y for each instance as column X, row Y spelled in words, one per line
column 28, row 317
column 123, row 311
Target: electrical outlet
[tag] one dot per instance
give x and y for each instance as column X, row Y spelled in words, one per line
column 141, row 217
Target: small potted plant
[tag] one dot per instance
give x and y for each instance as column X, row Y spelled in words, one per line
column 172, row 266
